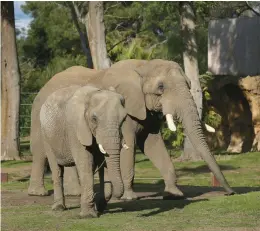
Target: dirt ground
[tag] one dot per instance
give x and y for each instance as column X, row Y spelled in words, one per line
column 144, row 191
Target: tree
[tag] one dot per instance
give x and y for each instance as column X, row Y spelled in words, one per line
column 191, row 67
column 84, row 39
column 96, row 35
column 10, row 86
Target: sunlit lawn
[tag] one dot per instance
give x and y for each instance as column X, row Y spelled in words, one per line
column 239, row 212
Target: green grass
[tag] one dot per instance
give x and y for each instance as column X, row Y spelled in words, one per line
column 197, row 173
column 15, row 163
column 219, row 212
column 208, row 213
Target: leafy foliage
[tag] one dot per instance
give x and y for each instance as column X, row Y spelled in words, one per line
column 134, row 30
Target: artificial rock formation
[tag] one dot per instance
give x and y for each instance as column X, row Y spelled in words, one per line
column 251, row 89
column 237, row 100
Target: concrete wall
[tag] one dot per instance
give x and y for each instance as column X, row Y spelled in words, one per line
column 234, row 46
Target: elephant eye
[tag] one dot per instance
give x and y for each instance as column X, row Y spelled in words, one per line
column 94, row 118
column 122, row 101
column 160, row 87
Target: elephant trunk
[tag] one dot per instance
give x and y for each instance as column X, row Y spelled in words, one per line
column 114, row 174
column 110, row 144
column 188, row 115
column 109, row 140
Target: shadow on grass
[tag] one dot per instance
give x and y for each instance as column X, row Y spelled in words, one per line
column 157, row 205
column 188, row 190
column 205, row 168
column 142, row 160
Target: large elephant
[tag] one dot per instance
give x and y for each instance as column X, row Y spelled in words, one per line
column 149, row 87
column 69, row 118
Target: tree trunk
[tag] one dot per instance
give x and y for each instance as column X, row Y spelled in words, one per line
column 83, row 39
column 10, row 88
column 191, row 68
column 96, row 35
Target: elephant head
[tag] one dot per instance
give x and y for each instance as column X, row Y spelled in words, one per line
column 166, row 88
column 101, row 114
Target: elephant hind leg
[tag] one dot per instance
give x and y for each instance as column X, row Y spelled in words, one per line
column 36, row 187
column 71, row 182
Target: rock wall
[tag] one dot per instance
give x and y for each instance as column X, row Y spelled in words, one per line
column 237, row 100
column 251, row 89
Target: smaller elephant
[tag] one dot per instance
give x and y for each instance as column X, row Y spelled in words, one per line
column 77, row 123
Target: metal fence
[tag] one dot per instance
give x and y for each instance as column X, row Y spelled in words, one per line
column 25, row 112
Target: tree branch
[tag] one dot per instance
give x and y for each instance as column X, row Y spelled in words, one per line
column 251, row 8
column 157, row 44
column 76, row 10
column 111, row 7
column 83, row 39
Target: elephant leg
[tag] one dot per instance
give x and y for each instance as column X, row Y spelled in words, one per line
column 85, row 165
column 153, row 146
column 101, row 200
column 71, row 182
column 127, row 159
column 107, row 185
column 36, row 186
column 57, row 177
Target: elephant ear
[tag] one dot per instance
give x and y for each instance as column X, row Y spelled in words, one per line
column 188, row 81
column 83, row 131
column 81, row 99
column 128, row 84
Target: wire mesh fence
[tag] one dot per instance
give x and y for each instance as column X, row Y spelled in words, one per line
column 25, row 112
column 25, row 121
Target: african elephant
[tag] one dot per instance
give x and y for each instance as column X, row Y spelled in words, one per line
column 70, row 118
column 149, row 88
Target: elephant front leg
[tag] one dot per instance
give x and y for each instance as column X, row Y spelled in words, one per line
column 59, row 199
column 153, row 146
column 57, row 177
column 127, row 158
column 127, row 165
column 85, row 166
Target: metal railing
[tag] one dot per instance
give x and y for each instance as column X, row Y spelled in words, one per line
column 25, row 112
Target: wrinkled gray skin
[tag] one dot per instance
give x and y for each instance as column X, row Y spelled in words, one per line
column 156, row 85
column 69, row 118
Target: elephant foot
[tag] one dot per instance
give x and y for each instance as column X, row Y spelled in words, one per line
column 37, row 191
column 173, row 193
column 129, row 195
column 91, row 213
column 58, row 207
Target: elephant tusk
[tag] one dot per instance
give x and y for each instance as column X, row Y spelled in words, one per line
column 209, row 128
column 170, row 122
column 125, row 146
column 101, row 149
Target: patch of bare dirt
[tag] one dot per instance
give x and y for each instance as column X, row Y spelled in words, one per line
column 15, row 173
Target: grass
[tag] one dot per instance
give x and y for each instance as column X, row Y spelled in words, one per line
column 219, row 213
column 238, row 212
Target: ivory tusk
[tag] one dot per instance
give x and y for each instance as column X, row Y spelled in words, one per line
column 170, row 122
column 101, row 149
column 209, row 128
column 125, row 146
